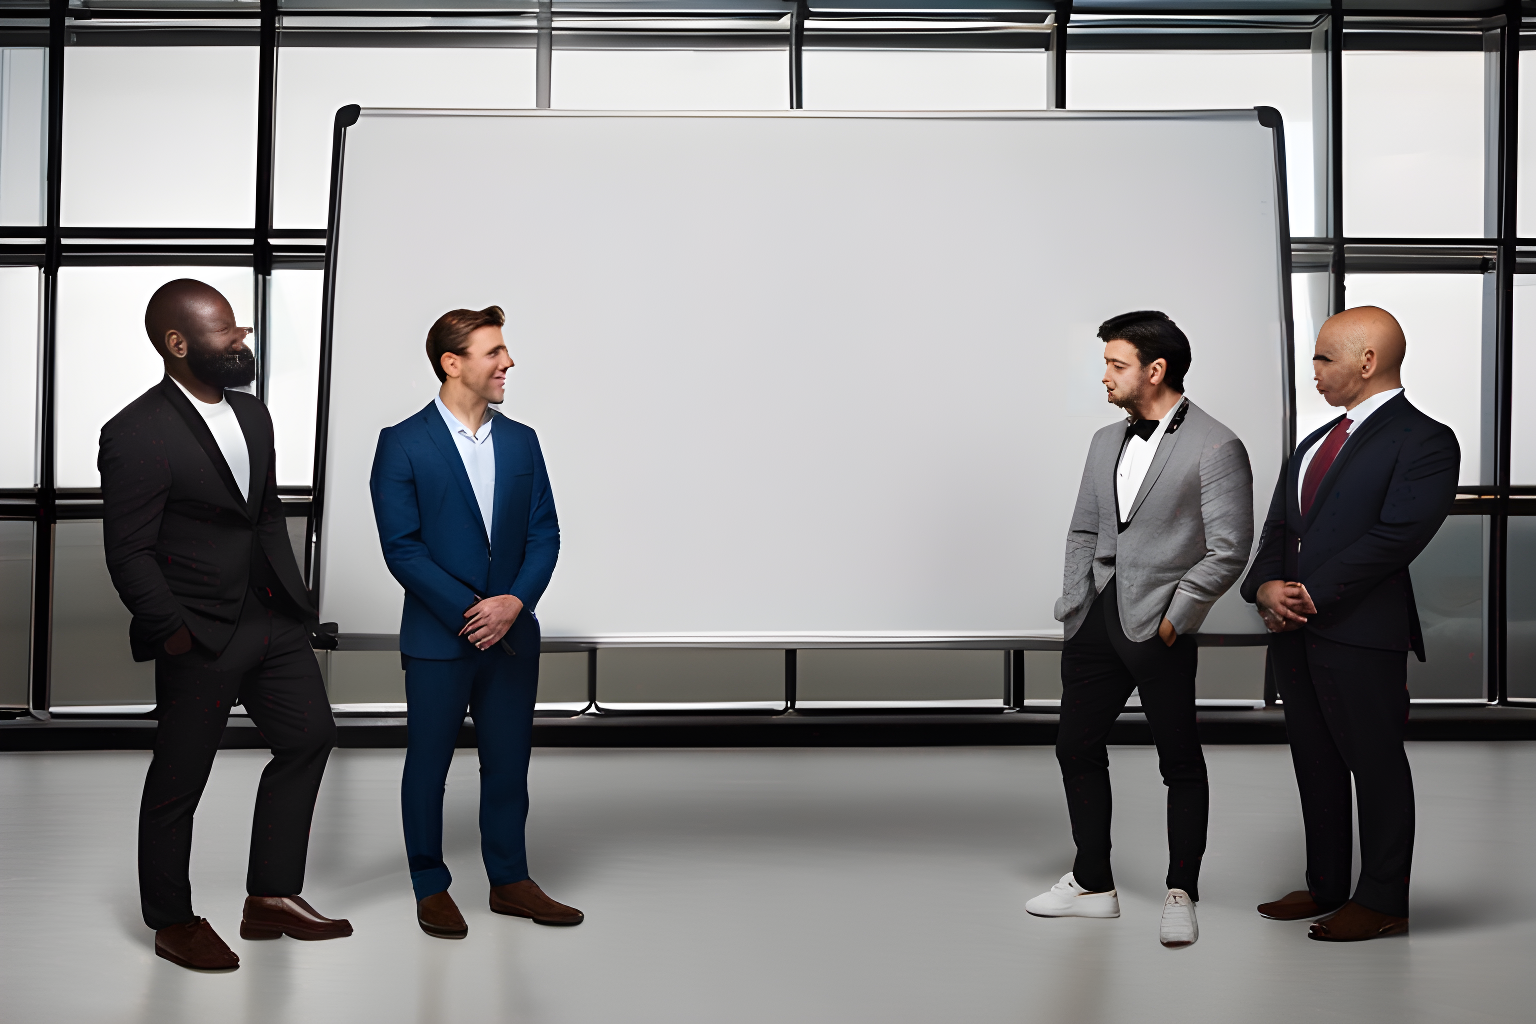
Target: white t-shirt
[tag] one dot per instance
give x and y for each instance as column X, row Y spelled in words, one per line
column 226, row 431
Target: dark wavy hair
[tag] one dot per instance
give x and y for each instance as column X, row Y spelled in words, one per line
column 1155, row 337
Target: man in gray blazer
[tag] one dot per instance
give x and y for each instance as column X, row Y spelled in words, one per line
column 1163, row 526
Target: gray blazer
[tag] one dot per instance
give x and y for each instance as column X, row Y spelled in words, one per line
column 1189, row 535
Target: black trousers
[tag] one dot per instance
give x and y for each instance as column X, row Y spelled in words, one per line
column 1346, row 710
column 270, row 668
column 1099, row 669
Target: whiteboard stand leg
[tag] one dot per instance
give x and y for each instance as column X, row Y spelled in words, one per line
column 791, row 681
column 593, row 707
column 1013, row 681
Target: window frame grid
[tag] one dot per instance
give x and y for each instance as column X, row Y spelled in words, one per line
column 262, row 247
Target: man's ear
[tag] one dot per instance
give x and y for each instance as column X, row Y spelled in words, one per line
column 1157, row 371
column 175, row 344
column 1368, row 363
column 449, row 361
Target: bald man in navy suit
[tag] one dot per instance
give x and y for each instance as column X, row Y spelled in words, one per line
column 1359, row 500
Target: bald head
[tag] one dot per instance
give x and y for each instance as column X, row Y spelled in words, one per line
column 1359, row 353
column 193, row 328
column 186, row 306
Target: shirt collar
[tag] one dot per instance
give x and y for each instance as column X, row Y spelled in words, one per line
column 1358, row 414
column 455, row 427
column 1162, row 424
column 198, row 403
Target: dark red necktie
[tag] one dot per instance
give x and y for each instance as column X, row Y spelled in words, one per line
column 1326, row 453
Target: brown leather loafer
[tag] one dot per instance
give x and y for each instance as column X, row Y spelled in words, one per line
column 1354, row 923
column 1296, row 906
column 195, row 945
column 439, row 917
column 272, row 917
column 526, row 899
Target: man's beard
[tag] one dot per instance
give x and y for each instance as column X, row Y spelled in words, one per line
column 222, row 369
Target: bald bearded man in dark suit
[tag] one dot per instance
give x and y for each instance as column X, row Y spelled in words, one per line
column 197, row 546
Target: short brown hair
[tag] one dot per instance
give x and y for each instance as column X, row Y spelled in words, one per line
column 452, row 330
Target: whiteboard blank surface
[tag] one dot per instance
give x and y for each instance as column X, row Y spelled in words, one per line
column 798, row 374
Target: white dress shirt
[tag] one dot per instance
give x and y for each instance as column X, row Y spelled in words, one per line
column 1356, row 416
column 1135, row 459
column 479, row 455
column 225, row 427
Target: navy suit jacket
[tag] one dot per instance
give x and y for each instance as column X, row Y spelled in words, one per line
column 435, row 540
column 1380, row 503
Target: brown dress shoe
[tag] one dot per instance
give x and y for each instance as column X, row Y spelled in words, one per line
column 1354, row 923
column 1296, row 906
column 196, row 945
column 526, row 899
column 439, row 917
column 272, row 917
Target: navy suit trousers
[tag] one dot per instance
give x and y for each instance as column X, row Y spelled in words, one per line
column 497, row 690
column 1346, row 712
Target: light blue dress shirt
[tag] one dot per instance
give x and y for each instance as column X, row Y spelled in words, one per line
column 479, row 455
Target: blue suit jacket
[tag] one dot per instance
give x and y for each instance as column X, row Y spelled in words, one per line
column 435, row 540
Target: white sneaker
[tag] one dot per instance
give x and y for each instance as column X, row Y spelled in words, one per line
column 1179, row 927
column 1068, row 899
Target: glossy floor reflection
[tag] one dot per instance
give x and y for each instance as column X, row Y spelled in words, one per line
column 770, row 886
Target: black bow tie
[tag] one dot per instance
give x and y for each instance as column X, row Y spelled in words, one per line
column 1143, row 429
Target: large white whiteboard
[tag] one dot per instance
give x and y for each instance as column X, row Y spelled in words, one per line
column 798, row 375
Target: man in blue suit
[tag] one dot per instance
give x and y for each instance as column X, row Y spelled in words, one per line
column 468, row 527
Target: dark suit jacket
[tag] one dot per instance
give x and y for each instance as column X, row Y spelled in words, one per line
column 435, row 540
column 183, row 547
column 1380, row 503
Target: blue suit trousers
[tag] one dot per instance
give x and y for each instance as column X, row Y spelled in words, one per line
column 498, row 690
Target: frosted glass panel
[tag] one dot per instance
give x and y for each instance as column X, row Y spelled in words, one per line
column 1309, row 309
column 1523, row 424
column 105, row 360
column 92, row 661
column 924, row 80
column 1175, row 80
column 312, row 82
column 1413, row 144
column 1522, row 607
column 160, row 136
column 1442, row 315
column 19, row 308
column 1448, row 589
column 23, row 135
column 293, row 370
column 670, row 79
column 1526, row 182
column 15, row 611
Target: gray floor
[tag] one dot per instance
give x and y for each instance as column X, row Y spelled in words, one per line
column 772, row 885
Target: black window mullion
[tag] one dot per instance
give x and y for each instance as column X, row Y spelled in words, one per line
column 1497, row 614
column 266, row 107
column 40, row 695
column 1334, row 199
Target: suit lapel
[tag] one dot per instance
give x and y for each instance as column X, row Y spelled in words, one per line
column 1160, row 459
column 504, row 472
column 438, row 431
column 1372, row 425
column 257, row 452
column 199, row 428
